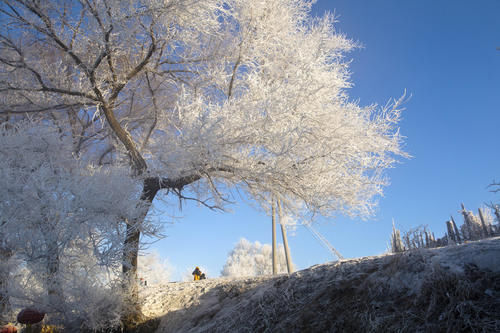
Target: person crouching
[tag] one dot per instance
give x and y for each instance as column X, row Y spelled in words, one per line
column 196, row 273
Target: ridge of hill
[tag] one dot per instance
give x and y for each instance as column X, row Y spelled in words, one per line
column 449, row 289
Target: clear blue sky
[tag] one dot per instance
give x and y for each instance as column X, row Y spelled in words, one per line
column 444, row 54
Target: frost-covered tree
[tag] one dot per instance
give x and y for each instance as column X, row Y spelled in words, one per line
column 201, row 97
column 477, row 226
column 62, row 221
column 472, row 228
column 252, row 259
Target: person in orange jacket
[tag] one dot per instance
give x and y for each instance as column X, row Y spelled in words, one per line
column 196, row 273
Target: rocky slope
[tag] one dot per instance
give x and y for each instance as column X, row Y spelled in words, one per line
column 452, row 289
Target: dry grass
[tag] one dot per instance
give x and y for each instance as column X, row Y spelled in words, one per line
column 398, row 293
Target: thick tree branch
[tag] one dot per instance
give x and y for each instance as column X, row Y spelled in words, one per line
column 155, row 110
column 153, row 184
column 52, row 90
column 58, row 107
column 235, row 68
column 138, row 163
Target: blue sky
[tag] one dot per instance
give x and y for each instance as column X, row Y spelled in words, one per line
column 444, row 54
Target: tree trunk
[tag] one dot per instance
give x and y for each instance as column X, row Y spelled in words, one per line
column 457, row 233
column 468, row 225
column 483, row 223
column 4, row 281
column 396, row 242
column 451, row 232
column 133, row 312
column 54, row 291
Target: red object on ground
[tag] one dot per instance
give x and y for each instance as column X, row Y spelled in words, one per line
column 30, row 316
column 8, row 329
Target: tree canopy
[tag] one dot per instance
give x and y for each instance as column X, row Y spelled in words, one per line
column 233, row 93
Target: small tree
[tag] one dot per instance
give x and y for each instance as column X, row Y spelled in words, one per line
column 153, row 269
column 396, row 242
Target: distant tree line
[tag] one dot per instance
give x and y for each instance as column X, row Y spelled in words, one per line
column 474, row 227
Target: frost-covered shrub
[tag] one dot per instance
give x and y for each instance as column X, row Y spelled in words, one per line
column 252, row 259
column 63, row 221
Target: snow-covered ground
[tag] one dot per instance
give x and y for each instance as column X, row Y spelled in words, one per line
column 453, row 289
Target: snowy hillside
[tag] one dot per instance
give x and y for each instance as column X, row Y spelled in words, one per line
column 432, row 290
